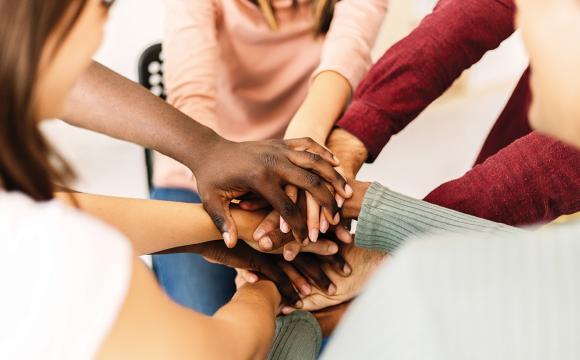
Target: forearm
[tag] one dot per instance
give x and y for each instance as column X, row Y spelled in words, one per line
column 421, row 67
column 250, row 319
column 153, row 226
column 327, row 98
column 387, row 219
column 106, row 102
column 533, row 180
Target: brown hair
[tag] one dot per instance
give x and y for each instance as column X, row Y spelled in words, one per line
column 323, row 13
column 27, row 162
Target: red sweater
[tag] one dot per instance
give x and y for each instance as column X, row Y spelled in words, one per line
column 534, row 179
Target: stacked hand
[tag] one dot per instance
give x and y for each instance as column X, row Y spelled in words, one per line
column 236, row 170
column 312, row 274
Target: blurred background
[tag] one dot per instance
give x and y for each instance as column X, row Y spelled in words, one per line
column 439, row 146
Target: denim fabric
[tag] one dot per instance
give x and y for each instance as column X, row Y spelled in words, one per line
column 188, row 278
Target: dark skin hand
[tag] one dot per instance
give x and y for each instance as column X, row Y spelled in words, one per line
column 273, row 239
column 266, row 167
column 273, row 267
column 351, row 153
column 106, row 102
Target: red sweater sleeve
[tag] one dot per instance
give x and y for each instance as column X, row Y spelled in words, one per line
column 419, row 68
column 533, row 180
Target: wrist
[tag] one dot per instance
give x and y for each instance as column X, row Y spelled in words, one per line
column 247, row 222
column 194, row 151
column 351, row 152
column 352, row 207
column 265, row 290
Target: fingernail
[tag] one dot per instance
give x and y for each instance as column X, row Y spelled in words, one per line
column 298, row 304
column 332, row 248
column 332, row 289
column 253, row 278
column 227, row 239
column 348, row 190
column 324, row 225
column 339, row 200
column 346, row 269
column 288, row 255
column 266, row 243
column 335, row 159
column 284, row 227
column 258, row 234
column 305, row 242
column 336, row 218
column 305, row 289
column 287, row 310
column 313, row 235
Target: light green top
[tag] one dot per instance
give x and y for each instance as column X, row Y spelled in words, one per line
column 387, row 219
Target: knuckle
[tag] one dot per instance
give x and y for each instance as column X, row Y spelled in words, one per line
column 278, row 142
column 313, row 180
column 254, row 264
column 315, row 158
column 216, row 217
column 268, row 159
column 288, row 209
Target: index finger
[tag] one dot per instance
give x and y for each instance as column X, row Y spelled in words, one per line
column 288, row 210
column 307, row 144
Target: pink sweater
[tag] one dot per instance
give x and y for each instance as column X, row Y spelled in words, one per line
column 226, row 69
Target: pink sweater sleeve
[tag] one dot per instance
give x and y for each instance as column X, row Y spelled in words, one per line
column 350, row 40
column 191, row 53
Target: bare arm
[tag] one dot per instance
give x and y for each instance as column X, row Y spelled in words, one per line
column 106, row 102
column 327, row 98
column 153, row 226
column 151, row 326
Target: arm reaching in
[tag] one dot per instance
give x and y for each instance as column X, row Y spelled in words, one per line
column 106, row 102
column 151, row 326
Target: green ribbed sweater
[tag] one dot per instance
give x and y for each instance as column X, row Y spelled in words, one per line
column 387, row 219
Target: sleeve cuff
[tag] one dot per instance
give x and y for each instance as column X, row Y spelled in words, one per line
column 368, row 125
column 298, row 336
column 368, row 234
column 353, row 73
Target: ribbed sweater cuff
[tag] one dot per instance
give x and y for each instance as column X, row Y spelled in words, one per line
column 387, row 219
column 298, row 336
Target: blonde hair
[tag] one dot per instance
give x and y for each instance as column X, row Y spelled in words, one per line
column 323, row 13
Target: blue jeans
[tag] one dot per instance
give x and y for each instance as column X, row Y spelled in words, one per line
column 188, row 278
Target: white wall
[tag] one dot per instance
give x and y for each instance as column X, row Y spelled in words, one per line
column 105, row 165
column 438, row 146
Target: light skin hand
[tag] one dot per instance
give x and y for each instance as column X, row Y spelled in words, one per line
column 271, row 238
column 351, row 152
column 363, row 263
column 327, row 98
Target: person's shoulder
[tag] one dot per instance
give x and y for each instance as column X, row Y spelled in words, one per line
column 38, row 222
column 67, row 275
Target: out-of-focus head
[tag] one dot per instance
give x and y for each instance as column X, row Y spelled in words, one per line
column 551, row 32
column 45, row 45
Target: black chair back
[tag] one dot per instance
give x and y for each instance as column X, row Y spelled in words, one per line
column 151, row 77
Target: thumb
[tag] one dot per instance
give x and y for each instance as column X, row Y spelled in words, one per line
column 218, row 209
